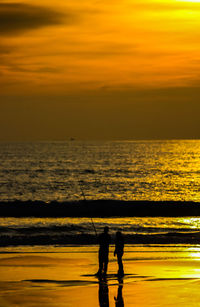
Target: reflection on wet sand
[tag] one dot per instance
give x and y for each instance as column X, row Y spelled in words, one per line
column 104, row 293
column 119, row 301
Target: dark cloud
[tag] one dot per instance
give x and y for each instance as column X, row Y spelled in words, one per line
column 19, row 17
column 27, row 69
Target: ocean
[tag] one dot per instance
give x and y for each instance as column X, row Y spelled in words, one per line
column 117, row 170
column 74, row 171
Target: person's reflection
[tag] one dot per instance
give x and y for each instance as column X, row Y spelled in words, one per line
column 103, row 293
column 119, row 302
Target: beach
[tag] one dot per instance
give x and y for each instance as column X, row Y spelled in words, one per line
column 155, row 275
column 55, row 198
column 99, row 153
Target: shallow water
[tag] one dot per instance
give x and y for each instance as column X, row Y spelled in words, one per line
column 129, row 225
column 50, row 231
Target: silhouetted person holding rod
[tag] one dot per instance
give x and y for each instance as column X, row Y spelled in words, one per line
column 104, row 241
column 119, row 251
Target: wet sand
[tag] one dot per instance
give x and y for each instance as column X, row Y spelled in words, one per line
column 64, row 276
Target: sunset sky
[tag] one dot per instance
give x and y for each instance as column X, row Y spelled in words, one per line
column 95, row 69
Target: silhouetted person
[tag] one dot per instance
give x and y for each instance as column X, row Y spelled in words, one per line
column 104, row 241
column 103, row 293
column 119, row 251
column 119, row 302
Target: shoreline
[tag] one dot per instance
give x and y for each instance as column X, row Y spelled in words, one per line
column 88, row 240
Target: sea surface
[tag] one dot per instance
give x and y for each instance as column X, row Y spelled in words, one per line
column 115, row 170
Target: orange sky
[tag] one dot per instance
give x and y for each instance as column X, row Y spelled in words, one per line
column 99, row 69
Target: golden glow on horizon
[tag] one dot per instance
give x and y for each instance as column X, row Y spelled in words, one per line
column 188, row 0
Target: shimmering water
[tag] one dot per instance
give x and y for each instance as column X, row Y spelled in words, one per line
column 62, row 231
column 125, row 170
column 77, row 226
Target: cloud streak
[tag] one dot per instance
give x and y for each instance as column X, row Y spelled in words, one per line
column 4, row 50
column 16, row 18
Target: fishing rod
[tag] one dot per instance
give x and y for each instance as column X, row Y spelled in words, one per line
column 84, row 198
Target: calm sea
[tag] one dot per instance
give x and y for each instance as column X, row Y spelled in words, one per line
column 120, row 170
column 125, row 170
